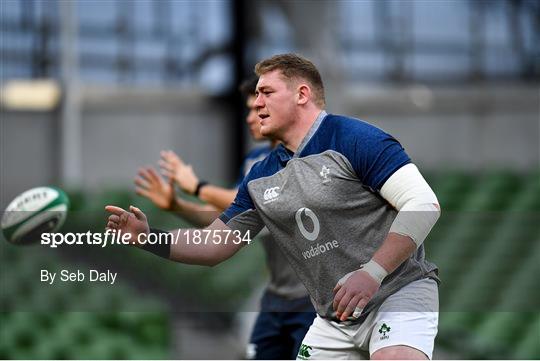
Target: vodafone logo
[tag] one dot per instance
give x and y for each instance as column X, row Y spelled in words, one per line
column 316, row 225
column 270, row 194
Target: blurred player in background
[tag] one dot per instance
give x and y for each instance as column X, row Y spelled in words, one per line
column 350, row 212
column 286, row 310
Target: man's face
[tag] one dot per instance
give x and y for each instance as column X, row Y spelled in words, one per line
column 252, row 119
column 275, row 104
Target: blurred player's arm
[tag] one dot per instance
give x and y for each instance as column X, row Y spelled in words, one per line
column 185, row 246
column 173, row 167
column 151, row 185
column 221, row 198
column 200, row 215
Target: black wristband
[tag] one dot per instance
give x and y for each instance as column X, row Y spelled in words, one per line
column 199, row 186
column 161, row 247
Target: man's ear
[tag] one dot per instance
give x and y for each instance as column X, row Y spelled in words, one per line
column 304, row 94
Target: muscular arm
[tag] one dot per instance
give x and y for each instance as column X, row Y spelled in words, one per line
column 408, row 192
column 395, row 250
column 179, row 245
column 209, row 254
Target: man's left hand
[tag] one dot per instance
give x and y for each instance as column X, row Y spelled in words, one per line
column 353, row 292
column 172, row 166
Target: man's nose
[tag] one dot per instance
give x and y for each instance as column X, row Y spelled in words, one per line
column 259, row 102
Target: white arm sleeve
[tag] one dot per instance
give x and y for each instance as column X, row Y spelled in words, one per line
column 418, row 206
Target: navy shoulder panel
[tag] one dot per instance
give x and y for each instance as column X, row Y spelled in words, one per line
column 374, row 154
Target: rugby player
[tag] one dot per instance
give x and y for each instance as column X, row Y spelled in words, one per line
column 349, row 210
column 286, row 310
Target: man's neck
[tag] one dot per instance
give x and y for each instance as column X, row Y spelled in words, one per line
column 292, row 140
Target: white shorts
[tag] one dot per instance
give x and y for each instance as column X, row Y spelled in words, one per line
column 408, row 317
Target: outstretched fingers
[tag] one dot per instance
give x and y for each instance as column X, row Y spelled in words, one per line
column 113, row 221
column 115, row 210
column 166, row 166
column 111, row 225
column 138, row 213
column 152, row 174
column 172, row 157
column 142, row 182
column 142, row 192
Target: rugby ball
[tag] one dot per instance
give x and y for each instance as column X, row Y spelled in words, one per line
column 38, row 210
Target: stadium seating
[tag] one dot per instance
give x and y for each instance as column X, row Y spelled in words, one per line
column 487, row 247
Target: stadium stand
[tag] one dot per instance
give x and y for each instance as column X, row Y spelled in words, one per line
column 487, row 248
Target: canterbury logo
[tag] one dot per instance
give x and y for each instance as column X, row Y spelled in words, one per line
column 271, row 194
column 316, row 226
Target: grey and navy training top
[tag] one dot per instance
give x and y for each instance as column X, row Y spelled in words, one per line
column 323, row 207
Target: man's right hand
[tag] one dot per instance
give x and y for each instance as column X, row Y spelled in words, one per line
column 133, row 222
column 151, row 185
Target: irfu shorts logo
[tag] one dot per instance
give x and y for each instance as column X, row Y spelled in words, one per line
column 383, row 331
column 303, row 353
